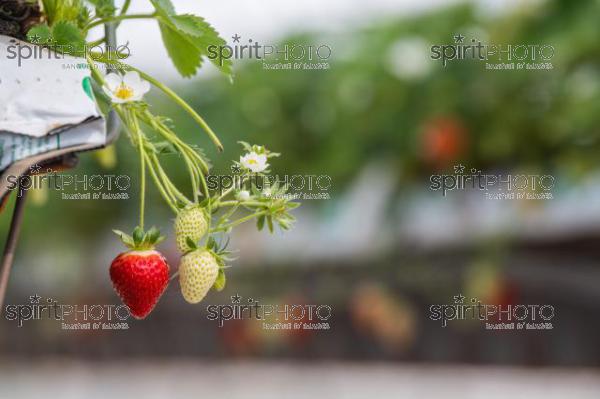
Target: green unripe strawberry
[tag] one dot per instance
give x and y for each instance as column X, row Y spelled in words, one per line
column 190, row 222
column 198, row 271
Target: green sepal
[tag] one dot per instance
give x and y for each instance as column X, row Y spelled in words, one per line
column 125, row 238
column 152, row 236
column 211, row 244
column 181, row 205
column 220, row 281
column 260, row 222
column 140, row 240
column 138, row 236
column 164, row 147
column 193, row 246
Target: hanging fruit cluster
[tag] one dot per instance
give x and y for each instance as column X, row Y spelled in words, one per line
column 141, row 274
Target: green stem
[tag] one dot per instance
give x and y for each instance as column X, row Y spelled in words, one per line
column 119, row 18
column 191, row 171
column 169, row 186
column 96, row 42
column 204, row 186
column 243, row 203
column 95, row 74
column 186, row 107
column 197, row 172
column 239, row 221
column 182, row 150
column 225, row 193
column 125, row 7
column 142, row 167
column 228, row 214
column 161, row 189
column 227, row 203
column 183, row 105
column 168, row 134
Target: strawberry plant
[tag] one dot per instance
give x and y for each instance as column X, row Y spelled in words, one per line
column 140, row 275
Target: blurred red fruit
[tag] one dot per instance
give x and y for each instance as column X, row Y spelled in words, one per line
column 444, row 141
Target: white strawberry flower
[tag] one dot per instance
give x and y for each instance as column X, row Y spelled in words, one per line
column 243, row 195
column 127, row 88
column 254, row 162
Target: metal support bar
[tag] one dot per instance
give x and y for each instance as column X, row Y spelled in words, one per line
column 11, row 243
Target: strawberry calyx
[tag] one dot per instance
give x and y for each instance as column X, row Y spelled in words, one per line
column 140, row 240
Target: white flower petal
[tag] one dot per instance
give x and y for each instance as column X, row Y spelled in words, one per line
column 108, row 92
column 261, row 158
column 243, row 195
column 254, row 162
column 117, row 100
column 136, row 96
column 112, row 81
column 144, row 87
column 132, row 79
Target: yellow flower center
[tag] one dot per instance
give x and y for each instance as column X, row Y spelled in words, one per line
column 252, row 161
column 124, row 92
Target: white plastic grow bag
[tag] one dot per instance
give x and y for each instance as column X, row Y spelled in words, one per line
column 46, row 104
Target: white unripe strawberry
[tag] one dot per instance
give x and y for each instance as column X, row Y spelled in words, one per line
column 190, row 222
column 198, row 271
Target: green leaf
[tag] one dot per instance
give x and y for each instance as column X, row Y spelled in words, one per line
column 73, row 11
column 189, row 24
column 84, row 17
column 67, row 35
column 164, row 7
column 185, row 55
column 188, row 38
column 270, row 223
column 204, row 37
column 39, row 34
column 104, row 8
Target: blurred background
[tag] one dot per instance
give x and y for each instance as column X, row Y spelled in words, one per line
column 384, row 247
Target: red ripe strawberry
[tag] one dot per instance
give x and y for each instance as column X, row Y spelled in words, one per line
column 444, row 141
column 140, row 275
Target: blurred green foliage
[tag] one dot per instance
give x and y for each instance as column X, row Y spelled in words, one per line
column 367, row 107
